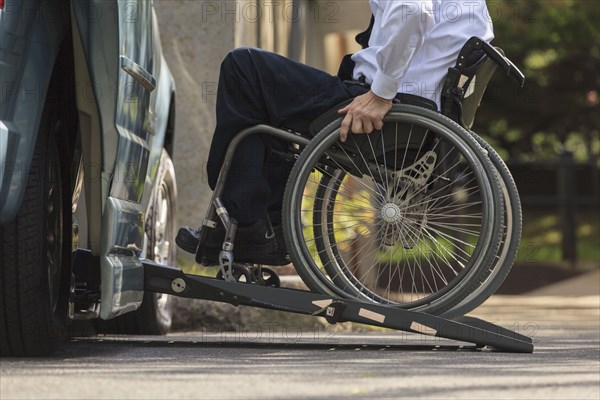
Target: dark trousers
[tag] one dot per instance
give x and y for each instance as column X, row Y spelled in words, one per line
column 258, row 87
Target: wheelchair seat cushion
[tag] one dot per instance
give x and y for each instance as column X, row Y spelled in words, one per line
column 299, row 125
column 332, row 114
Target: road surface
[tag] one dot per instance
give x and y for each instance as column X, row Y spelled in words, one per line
column 266, row 364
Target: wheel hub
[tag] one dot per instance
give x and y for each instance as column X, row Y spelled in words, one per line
column 391, row 213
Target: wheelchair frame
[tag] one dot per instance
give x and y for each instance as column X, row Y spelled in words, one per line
column 165, row 279
column 169, row 280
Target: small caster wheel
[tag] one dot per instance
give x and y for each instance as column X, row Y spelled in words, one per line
column 240, row 274
column 266, row 277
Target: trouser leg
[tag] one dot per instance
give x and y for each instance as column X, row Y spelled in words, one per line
column 258, row 87
column 276, row 171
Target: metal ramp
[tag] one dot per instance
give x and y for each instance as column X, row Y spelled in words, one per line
column 163, row 279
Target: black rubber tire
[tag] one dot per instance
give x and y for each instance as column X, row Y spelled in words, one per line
column 292, row 224
column 29, row 324
column 154, row 317
column 507, row 253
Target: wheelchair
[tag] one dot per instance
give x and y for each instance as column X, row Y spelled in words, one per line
column 422, row 215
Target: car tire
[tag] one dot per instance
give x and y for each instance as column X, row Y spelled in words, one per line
column 35, row 254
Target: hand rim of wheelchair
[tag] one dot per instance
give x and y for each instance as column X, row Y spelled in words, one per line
column 372, row 296
column 492, row 206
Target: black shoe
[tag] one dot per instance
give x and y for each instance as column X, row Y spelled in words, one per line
column 187, row 239
column 255, row 244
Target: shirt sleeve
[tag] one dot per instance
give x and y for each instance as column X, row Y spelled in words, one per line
column 404, row 25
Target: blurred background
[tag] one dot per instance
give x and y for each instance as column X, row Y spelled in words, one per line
column 548, row 131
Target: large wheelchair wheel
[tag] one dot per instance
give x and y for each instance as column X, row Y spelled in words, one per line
column 511, row 237
column 410, row 216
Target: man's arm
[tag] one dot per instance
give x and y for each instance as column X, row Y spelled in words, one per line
column 404, row 24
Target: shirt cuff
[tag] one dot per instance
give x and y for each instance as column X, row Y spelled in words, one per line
column 384, row 86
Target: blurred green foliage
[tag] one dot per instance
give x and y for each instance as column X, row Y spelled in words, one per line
column 542, row 236
column 557, row 45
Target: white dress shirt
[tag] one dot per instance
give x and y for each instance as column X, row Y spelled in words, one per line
column 413, row 43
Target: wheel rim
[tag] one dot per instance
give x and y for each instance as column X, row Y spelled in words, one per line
column 163, row 253
column 162, row 226
column 54, row 226
column 394, row 217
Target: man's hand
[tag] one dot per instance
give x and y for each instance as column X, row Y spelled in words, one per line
column 364, row 114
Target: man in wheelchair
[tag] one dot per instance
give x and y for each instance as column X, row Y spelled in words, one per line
column 407, row 49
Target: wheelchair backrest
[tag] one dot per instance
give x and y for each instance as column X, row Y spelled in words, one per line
column 474, row 89
column 468, row 79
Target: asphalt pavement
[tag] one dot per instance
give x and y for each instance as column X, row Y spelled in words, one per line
column 267, row 362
